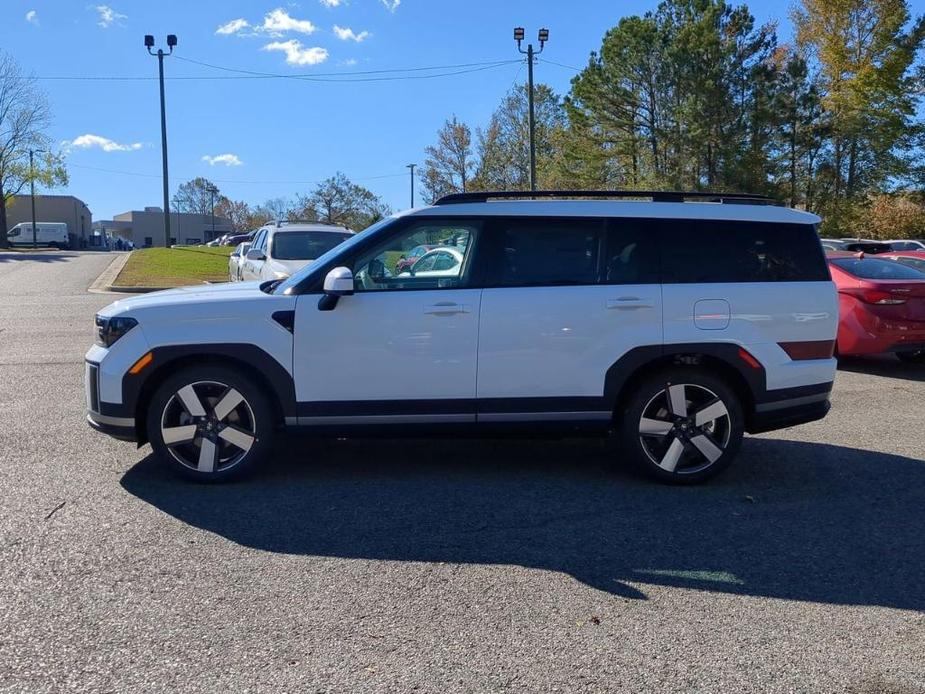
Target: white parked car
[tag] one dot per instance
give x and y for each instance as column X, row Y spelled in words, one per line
column 283, row 248
column 907, row 245
column 675, row 326
column 52, row 234
column 235, row 260
column 440, row 262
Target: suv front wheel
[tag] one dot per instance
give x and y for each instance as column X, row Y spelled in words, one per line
column 682, row 426
column 210, row 423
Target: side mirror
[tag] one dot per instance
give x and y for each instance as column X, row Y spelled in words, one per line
column 255, row 254
column 339, row 282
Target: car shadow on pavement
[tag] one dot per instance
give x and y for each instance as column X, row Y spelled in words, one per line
column 46, row 257
column 883, row 365
column 791, row 520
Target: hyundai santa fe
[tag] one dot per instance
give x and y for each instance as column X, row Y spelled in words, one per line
column 672, row 322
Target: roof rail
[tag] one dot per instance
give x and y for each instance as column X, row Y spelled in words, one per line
column 283, row 222
column 653, row 195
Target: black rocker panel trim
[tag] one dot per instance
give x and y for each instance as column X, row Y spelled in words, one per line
column 359, row 408
column 271, row 370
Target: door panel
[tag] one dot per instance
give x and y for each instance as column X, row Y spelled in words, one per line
column 559, row 341
column 388, row 345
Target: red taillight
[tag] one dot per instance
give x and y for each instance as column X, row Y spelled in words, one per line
column 817, row 349
column 878, row 296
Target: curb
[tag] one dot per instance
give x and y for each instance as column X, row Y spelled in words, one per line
column 103, row 283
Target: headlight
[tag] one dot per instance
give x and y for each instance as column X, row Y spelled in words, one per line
column 280, row 275
column 108, row 330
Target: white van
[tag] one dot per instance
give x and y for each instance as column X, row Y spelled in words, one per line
column 46, row 234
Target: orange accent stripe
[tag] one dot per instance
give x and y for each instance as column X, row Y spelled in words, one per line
column 745, row 356
column 141, row 364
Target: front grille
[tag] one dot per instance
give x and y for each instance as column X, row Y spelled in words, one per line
column 93, row 387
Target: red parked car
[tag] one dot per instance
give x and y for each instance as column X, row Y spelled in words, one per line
column 881, row 306
column 410, row 258
column 914, row 259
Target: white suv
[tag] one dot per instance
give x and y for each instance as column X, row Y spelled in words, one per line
column 674, row 324
column 283, row 248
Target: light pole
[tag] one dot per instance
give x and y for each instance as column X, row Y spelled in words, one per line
column 411, row 167
column 212, row 191
column 530, row 53
column 149, row 44
column 32, row 153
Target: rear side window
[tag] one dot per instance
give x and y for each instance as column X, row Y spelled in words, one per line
column 878, row 269
column 631, row 255
column 708, row 251
column 546, row 252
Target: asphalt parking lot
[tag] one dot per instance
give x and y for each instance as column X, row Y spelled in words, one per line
column 448, row 565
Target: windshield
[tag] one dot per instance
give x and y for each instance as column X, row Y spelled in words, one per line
column 305, row 245
column 323, row 260
column 877, row 269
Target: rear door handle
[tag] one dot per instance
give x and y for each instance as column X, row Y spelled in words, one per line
column 629, row 303
column 446, row 308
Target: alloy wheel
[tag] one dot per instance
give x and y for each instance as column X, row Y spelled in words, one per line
column 208, row 426
column 684, row 428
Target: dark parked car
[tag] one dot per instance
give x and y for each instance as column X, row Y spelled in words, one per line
column 238, row 238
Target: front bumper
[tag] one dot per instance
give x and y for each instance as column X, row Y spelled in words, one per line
column 121, row 428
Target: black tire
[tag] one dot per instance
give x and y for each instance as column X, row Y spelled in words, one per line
column 238, row 439
column 916, row 357
column 678, row 449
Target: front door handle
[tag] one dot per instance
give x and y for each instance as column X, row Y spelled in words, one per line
column 446, row 308
column 629, row 303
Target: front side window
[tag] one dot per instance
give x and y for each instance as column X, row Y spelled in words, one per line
column 452, row 243
column 546, row 252
column 305, row 245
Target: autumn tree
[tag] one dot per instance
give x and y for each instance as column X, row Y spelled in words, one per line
column 24, row 117
column 504, row 145
column 865, row 53
column 237, row 212
column 338, row 200
column 449, row 164
column 197, row 196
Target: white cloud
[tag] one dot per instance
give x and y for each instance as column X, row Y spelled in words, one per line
column 32, row 17
column 108, row 16
column 277, row 22
column 89, row 141
column 391, row 5
column 226, row 159
column 349, row 62
column 330, row 3
column 347, row 34
column 233, row 27
column 296, row 54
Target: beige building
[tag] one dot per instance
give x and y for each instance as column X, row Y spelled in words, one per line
column 54, row 208
column 145, row 228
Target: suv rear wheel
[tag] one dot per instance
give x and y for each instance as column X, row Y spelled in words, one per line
column 682, row 426
column 210, row 423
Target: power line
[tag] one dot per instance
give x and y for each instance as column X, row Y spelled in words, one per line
column 228, row 180
column 462, row 69
column 567, row 67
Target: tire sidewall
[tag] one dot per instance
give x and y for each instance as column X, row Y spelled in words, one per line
column 628, row 426
column 254, row 395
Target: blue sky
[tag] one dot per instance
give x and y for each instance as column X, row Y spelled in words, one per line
column 282, row 135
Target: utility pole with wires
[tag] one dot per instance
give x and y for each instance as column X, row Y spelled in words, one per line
column 171, row 44
column 411, row 167
column 32, row 153
column 531, row 55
